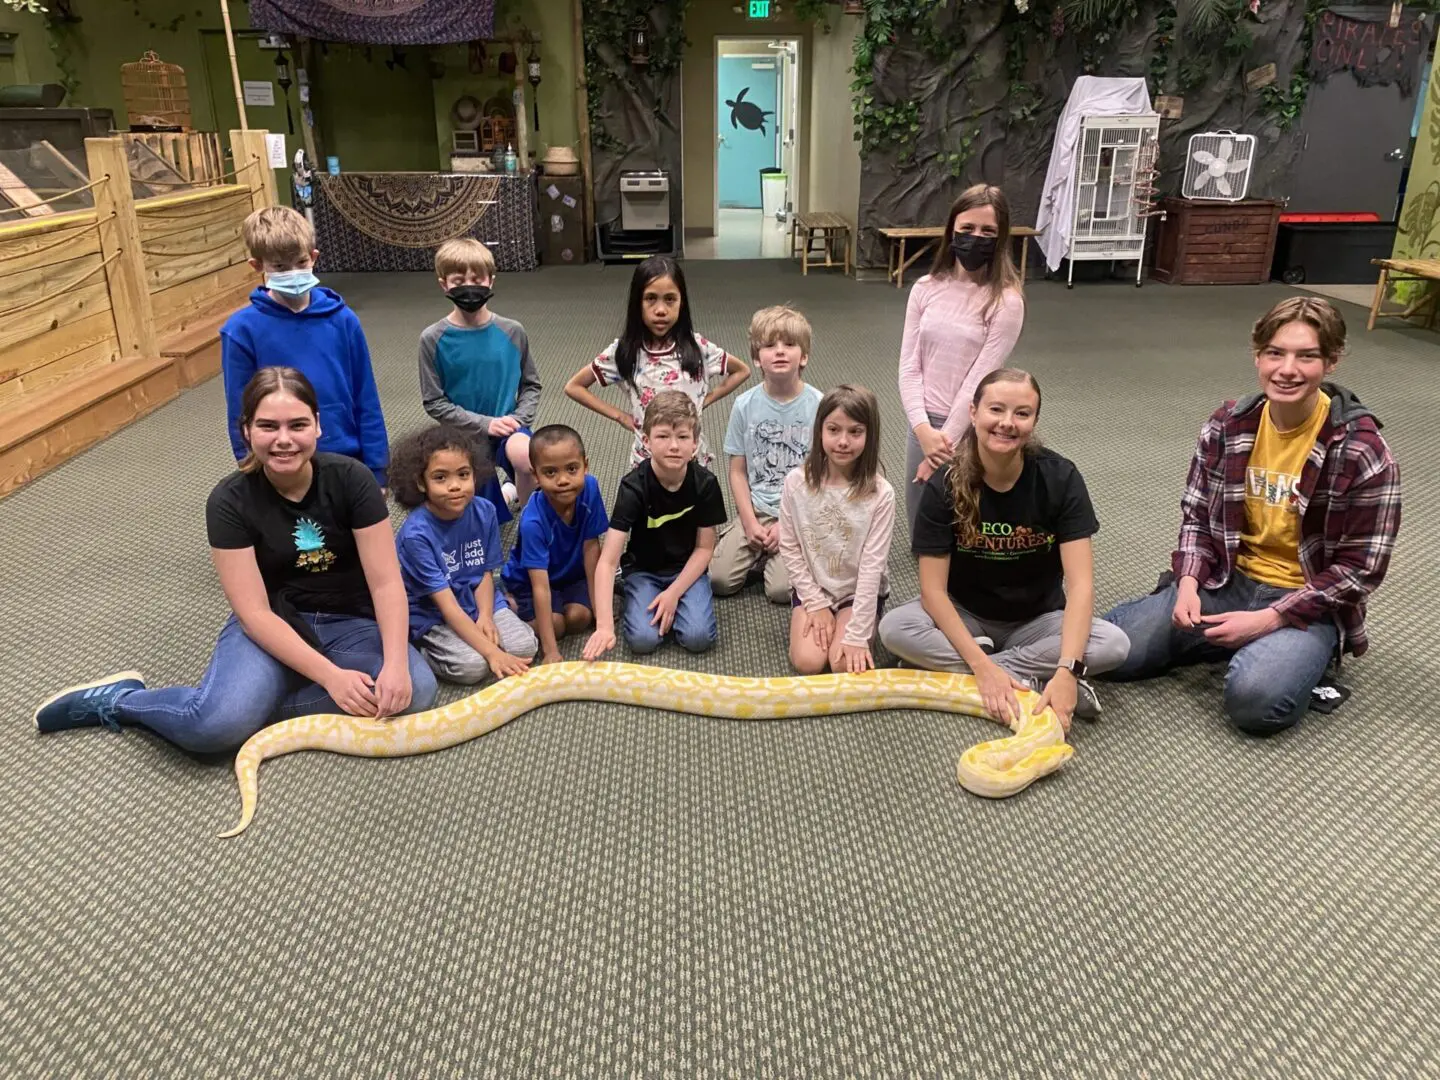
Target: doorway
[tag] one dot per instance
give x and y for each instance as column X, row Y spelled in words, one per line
column 757, row 83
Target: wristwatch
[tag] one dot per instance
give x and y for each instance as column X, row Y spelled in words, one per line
column 1075, row 667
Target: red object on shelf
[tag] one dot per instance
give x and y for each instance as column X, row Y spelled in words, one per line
column 1297, row 219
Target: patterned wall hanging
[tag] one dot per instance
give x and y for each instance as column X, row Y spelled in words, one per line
column 377, row 22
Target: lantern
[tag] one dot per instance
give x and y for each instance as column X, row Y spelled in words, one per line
column 532, row 71
column 640, row 42
column 282, row 76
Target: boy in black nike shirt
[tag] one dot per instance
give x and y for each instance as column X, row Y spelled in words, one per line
column 667, row 508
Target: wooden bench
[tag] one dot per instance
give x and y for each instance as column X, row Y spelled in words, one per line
column 39, row 431
column 195, row 351
column 1406, row 270
column 824, row 227
column 927, row 237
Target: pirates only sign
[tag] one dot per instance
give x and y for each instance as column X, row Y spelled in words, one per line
column 1374, row 52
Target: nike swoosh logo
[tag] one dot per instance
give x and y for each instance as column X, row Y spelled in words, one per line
column 655, row 523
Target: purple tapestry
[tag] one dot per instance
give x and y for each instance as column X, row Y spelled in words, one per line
column 377, row 22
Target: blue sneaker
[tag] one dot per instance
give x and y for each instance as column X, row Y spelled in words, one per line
column 90, row 704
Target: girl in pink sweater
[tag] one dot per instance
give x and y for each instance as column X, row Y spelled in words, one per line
column 962, row 320
column 836, row 516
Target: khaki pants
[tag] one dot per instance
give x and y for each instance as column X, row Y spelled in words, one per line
column 734, row 558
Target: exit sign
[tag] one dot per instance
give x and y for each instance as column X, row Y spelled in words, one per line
column 759, row 9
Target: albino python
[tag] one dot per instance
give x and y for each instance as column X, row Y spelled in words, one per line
column 994, row 769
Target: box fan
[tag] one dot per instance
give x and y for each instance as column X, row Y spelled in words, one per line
column 1217, row 166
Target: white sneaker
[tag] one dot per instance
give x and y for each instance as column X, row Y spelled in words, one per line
column 1087, row 702
column 512, row 497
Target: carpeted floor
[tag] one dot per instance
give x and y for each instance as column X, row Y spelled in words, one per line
column 596, row 891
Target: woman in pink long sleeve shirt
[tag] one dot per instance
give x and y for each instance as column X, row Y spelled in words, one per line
column 962, row 320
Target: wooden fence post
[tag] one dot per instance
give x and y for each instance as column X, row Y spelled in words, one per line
column 120, row 242
column 248, row 146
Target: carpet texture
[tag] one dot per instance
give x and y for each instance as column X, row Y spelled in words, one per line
column 597, row 891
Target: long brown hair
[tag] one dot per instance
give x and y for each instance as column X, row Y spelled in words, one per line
column 267, row 381
column 966, row 472
column 860, row 405
column 1320, row 315
column 1001, row 273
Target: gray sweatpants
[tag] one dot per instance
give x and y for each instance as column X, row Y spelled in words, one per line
column 1027, row 650
column 913, row 457
column 455, row 661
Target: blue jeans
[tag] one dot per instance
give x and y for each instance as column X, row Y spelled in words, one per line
column 694, row 625
column 1267, row 682
column 245, row 688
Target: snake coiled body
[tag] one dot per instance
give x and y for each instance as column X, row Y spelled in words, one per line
column 995, row 769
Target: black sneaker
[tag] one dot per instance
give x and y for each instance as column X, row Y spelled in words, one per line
column 90, row 704
column 987, row 645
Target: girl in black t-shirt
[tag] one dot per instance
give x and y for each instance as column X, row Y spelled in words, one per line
column 1003, row 538
column 303, row 547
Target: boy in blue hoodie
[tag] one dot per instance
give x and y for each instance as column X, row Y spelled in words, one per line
column 293, row 321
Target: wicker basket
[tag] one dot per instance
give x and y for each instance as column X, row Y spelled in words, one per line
column 156, row 94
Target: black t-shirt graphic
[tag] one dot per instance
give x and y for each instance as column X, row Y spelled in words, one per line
column 1010, row 570
column 662, row 523
column 305, row 550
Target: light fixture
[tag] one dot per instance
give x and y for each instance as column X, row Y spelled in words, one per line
column 640, row 42
column 282, row 76
column 532, row 71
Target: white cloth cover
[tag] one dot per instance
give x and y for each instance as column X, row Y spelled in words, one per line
column 1091, row 96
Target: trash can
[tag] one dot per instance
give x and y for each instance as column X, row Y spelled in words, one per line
column 773, row 183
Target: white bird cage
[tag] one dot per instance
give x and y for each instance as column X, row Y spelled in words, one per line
column 1108, row 223
column 1217, row 166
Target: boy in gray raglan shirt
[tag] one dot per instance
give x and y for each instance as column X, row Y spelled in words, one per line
column 476, row 371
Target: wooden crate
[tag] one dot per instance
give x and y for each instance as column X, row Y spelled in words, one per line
column 1202, row 242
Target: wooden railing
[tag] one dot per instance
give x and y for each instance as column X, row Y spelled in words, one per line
column 109, row 312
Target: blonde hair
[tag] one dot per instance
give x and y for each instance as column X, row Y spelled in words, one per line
column 778, row 324
column 966, row 472
column 672, row 407
column 1001, row 273
column 1320, row 315
column 462, row 256
column 860, row 405
column 278, row 234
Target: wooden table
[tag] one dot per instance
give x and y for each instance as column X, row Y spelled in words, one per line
column 1405, row 270
column 825, row 226
column 930, row 235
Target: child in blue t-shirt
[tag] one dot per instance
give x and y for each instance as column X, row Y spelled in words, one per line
column 449, row 548
column 476, row 371
column 768, row 436
column 551, row 571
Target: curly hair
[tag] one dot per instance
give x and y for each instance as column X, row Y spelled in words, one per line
column 411, row 456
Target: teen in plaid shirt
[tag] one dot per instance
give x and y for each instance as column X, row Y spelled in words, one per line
column 1289, row 517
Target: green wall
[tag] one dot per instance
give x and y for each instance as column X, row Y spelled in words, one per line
column 372, row 117
column 1418, row 234
column 32, row 62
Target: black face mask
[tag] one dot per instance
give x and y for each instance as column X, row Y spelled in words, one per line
column 470, row 297
column 972, row 250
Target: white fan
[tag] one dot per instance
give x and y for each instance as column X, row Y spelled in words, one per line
column 1218, row 166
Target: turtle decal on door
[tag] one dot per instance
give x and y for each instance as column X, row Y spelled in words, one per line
column 747, row 114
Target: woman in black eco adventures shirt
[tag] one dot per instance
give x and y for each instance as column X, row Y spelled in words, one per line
column 304, row 550
column 1006, row 577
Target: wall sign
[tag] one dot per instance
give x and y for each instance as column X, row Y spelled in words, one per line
column 1373, row 51
column 757, row 9
column 259, row 93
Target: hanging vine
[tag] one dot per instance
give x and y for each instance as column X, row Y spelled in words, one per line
column 1283, row 106
column 607, row 27
column 882, row 125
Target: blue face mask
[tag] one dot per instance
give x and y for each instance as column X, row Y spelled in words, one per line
column 291, row 282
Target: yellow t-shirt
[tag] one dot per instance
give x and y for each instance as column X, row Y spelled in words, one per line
column 1270, row 540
